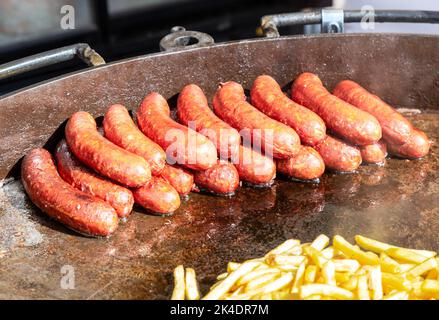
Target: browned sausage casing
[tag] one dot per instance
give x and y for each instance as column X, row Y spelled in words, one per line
column 221, row 179
column 180, row 179
column 120, row 129
column 193, row 109
column 255, row 168
column 306, row 165
column 347, row 121
column 396, row 128
column 374, row 153
column 267, row 96
column 76, row 209
column 416, row 147
column 157, row 196
column 181, row 144
column 277, row 138
column 103, row 156
column 84, row 179
column 338, row 155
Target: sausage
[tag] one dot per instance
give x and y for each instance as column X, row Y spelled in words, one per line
column 348, row 122
column 193, row 109
column 374, row 153
column 231, row 106
column 267, row 96
column 395, row 127
column 157, row 196
column 337, row 155
column 78, row 210
column 84, row 179
column 182, row 144
column 120, row 129
column 180, row 179
column 108, row 159
column 254, row 168
column 306, row 165
column 416, row 147
column 221, row 179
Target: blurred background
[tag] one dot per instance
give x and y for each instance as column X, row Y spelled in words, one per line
column 120, row 29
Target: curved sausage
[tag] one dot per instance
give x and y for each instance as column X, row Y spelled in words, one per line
column 157, row 196
column 103, row 156
column 193, row 109
column 277, row 138
column 180, row 179
column 76, row 209
column 374, row 153
column 182, row 144
column 306, row 165
column 221, row 179
column 120, row 129
column 395, row 127
column 267, row 96
column 338, row 155
column 416, row 147
column 84, row 179
column 254, row 168
column 350, row 123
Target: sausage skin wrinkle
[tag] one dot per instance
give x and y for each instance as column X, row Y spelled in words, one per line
column 267, row 96
column 347, row 121
column 108, row 159
column 277, row 138
column 180, row 179
column 306, row 165
column 221, row 179
column 374, row 153
column 182, row 145
column 416, row 147
column 76, row 209
column 254, row 168
column 86, row 180
column 396, row 128
column 192, row 107
column 120, row 129
column 339, row 156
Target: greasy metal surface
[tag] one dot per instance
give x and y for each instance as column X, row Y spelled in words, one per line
column 397, row 203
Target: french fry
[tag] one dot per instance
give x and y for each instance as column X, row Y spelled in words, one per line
column 284, row 247
column 260, row 281
column 255, row 274
column 396, row 281
column 341, row 277
column 351, row 284
column 217, row 292
column 398, row 295
column 388, row 264
column 404, row 267
column 424, row 267
column 232, row 266
column 328, row 273
column 372, row 245
column 310, row 274
column 281, row 260
column 430, row 286
column 298, row 278
column 192, row 292
column 346, row 265
column 315, row 255
column 222, row 276
column 320, row 242
column 313, row 297
column 308, row 290
column 433, row 274
column 405, row 255
column 374, row 281
column 362, row 288
column 350, row 251
column 328, row 252
column 179, row 284
column 279, row 283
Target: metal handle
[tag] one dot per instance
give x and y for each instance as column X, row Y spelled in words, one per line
column 180, row 38
column 270, row 23
column 81, row 50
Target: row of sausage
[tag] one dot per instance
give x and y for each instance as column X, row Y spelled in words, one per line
column 98, row 174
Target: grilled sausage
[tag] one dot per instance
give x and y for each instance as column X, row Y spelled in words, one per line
column 180, row 179
column 416, row 147
column 84, row 179
column 348, row 122
column 157, row 196
column 193, row 109
column 395, row 127
column 267, row 96
column 120, row 129
column 78, row 210
column 182, row 144
column 337, row 155
column 231, row 106
column 254, row 168
column 306, row 165
column 374, row 153
column 103, row 156
column 221, row 179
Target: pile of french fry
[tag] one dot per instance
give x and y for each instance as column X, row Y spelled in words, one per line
column 369, row 270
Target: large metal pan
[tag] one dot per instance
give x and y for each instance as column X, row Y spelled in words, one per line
column 397, row 203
